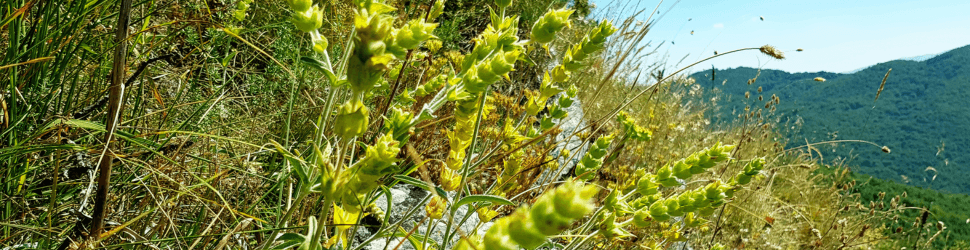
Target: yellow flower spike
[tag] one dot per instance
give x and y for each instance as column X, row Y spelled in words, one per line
column 436, row 207
column 553, row 212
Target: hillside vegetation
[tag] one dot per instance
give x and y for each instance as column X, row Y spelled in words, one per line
column 299, row 124
column 920, row 115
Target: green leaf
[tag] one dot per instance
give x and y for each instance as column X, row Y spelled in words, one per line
column 418, row 183
column 322, row 67
column 441, row 192
column 495, row 200
column 290, row 240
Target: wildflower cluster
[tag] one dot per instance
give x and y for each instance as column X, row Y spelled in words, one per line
column 753, row 168
column 573, row 60
column 528, row 227
column 361, row 178
column 593, row 159
column 633, row 131
column 493, row 57
column 694, row 164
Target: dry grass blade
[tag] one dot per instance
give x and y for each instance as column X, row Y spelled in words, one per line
column 35, row 60
column 225, row 239
column 883, row 85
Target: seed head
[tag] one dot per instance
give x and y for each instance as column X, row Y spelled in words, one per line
column 773, row 52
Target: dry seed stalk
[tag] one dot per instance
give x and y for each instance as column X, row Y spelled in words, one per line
column 772, row 51
column 883, row 85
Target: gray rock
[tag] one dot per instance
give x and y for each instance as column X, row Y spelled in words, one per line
column 566, row 140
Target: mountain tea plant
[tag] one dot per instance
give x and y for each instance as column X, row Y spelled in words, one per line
column 349, row 180
column 537, row 126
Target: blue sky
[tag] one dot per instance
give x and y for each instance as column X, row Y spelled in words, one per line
column 836, row 35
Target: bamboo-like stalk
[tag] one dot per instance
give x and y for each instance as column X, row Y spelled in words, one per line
column 115, row 96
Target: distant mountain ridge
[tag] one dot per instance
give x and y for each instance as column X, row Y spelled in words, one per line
column 914, row 58
column 922, row 115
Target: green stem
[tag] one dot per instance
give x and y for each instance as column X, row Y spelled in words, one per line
column 468, row 155
column 322, row 221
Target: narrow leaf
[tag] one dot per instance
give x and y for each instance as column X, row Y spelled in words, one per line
column 495, row 200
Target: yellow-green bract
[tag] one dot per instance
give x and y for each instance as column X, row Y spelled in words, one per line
column 351, row 119
column 545, row 29
column 552, row 213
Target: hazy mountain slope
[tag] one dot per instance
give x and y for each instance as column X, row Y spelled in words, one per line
column 922, row 115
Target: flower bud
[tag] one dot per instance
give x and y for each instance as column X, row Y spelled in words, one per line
column 436, row 9
column 320, row 42
column 486, row 214
column 299, row 5
column 545, row 29
column 658, row 211
column 648, row 185
column 641, row 218
column 673, row 207
column 436, row 207
column 498, row 238
column 415, row 32
column 351, row 119
column 686, row 203
column 503, row 3
column 308, row 20
column 560, row 74
column 381, row 158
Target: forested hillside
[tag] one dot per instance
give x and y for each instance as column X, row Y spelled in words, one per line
column 921, row 115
